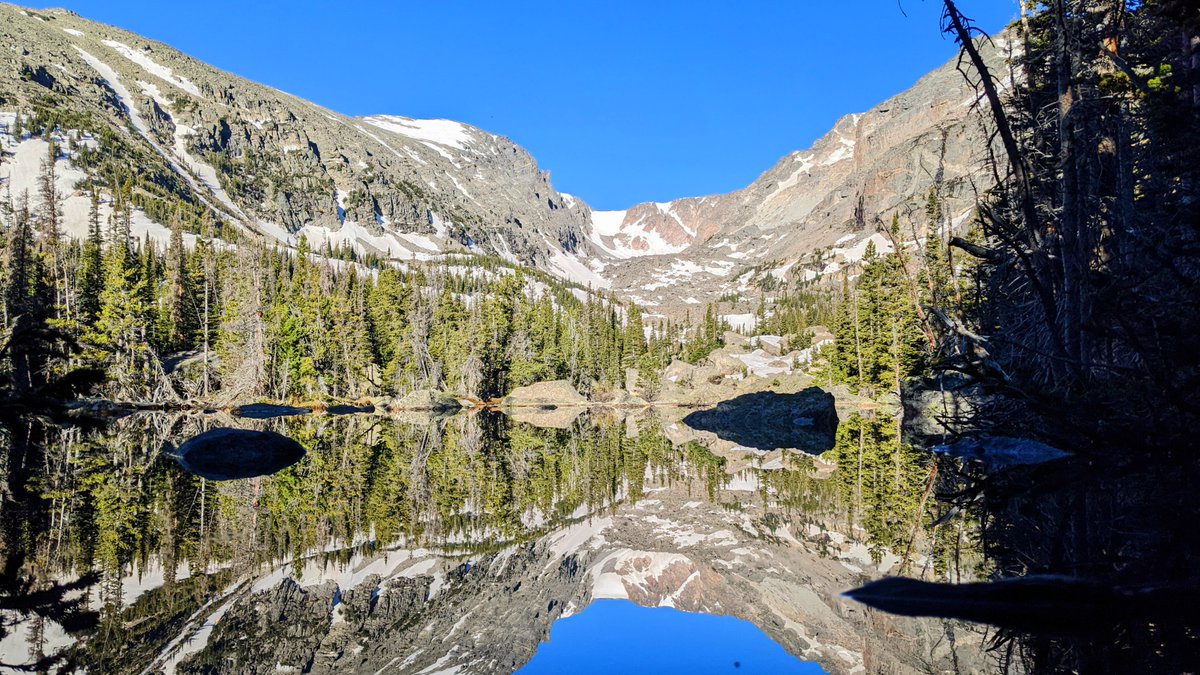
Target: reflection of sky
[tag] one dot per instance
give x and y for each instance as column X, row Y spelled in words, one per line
column 617, row 636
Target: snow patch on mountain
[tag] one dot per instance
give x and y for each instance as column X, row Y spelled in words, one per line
column 153, row 67
column 858, row 251
column 432, row 133
column 610, row 231
column 624, row 569
column 569, row 267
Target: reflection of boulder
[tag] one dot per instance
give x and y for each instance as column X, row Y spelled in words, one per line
column 546, row 418
column 229, row 454
column 766, row 420
column 553, row 393
column 624, row 399
column 262, row 411
column 349, row 409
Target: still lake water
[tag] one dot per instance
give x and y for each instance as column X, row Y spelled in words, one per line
column 463, row 544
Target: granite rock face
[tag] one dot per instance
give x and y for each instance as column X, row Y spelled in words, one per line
column 811, row 213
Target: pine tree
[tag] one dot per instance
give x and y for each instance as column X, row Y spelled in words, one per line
column 91, row 272
column 119, row 332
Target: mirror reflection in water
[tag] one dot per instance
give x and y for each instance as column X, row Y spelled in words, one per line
column 433, row 543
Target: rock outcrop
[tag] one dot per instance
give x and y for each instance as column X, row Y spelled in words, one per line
column 552, row 394
column 428, row 400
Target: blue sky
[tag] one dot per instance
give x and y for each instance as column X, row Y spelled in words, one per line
column 623, row 101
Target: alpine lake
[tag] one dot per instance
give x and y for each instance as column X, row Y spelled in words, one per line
column 552, row 540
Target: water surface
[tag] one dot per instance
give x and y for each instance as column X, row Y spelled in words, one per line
column 416, row 544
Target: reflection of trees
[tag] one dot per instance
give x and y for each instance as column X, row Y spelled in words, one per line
column 31, row 544
column 110, row 504
column 880, row 481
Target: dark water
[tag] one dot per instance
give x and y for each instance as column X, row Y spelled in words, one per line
column 430, row 545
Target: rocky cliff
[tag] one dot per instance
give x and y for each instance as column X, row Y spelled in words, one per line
column 812, row 213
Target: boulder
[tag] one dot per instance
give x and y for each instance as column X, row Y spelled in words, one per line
column 552, row 394
column 428, row 399
column 679, row 372
column 733, row 339
column 820, row 334
column 771, row 344
column 624, row 399
column 723, row 363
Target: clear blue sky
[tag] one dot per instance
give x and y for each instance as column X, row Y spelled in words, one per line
column 622, row 100
column 617, row 636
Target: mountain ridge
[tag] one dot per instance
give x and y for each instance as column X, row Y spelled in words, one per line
column 274, row 165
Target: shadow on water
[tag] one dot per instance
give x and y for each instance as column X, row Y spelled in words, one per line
column 766, row 420
column 1094, row 563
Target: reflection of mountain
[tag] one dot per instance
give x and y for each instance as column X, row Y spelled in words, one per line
column 451, row 544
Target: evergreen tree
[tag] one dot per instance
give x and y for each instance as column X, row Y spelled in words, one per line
column 91, row 272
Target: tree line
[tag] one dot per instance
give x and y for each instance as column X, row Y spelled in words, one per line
column 233, row 319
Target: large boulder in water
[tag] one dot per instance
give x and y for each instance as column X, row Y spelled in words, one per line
column 552, row 394
column 229, row 454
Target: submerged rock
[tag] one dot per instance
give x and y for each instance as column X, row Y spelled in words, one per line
column 230, row 454
column 1001, row 452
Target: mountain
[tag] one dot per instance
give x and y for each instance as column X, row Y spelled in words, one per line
column 266, row 163
column 259, row 162
column 811, row 213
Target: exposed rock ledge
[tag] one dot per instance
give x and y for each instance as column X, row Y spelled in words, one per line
column 555, row 393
